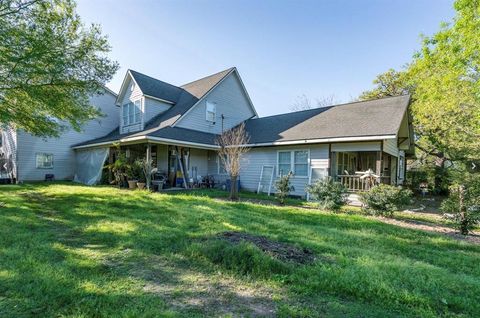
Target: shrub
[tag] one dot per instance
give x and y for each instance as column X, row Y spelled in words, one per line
column 283, row 188
column 385, row 199
column 331, row 195
column 464, row 202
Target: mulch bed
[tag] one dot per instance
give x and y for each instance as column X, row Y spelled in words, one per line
column 282, row 251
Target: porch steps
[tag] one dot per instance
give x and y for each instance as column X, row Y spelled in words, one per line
column 354, row 199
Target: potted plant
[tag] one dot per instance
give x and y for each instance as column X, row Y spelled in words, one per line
column 141, row 180
column 146, row 173
column 132, row 175
column 119, row 168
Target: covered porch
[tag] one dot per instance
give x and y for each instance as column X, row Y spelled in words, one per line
column 360, row 170
column 177, row 165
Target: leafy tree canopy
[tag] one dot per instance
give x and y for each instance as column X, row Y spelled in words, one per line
column 443, row 79
column 50, row 64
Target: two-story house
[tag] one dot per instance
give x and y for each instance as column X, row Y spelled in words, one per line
column 171, row 123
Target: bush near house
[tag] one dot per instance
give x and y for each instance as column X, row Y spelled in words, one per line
column 384, row 199
column 330, row 194
column 283, row 187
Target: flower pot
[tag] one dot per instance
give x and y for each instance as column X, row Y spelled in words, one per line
column 141, row 185
column 132, row 184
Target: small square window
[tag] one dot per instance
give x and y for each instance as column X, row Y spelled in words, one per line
column 44, row 161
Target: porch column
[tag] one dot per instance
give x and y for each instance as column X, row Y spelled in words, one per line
column 148, row 176
column 333, row 165
column 378, row 166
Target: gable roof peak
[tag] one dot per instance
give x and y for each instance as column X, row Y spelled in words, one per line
column 154, row 87
column 202, row 86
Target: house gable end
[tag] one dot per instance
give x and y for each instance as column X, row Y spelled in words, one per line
column 228, row 100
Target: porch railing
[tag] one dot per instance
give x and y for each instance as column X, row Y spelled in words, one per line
column 355, row 184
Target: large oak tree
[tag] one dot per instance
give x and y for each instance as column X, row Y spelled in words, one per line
column 444, row 81
column 50, row 64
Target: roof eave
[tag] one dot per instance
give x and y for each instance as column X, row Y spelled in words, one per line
column 144, row 138
column 322, row 140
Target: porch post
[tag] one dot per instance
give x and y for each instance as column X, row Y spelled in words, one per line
column 378, row 166
column 148, row 176
column 333, row 163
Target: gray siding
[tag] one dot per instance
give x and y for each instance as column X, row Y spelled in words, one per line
column 212, row 167
column 162, row 158
column 257, row 157
column 63, row 155
column 199, row 159
column 131, row 96
column 356, row 146
column 153, row 107
column 231, row 101
column 390, row 147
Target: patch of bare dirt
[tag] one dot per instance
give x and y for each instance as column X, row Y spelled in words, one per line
column 279, row 250
column 418, row 225
column 188, row 289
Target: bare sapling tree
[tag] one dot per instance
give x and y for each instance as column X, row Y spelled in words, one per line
column 302, row 102
column 233, row 145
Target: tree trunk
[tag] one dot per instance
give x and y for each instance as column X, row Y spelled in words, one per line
column 440, row 174
column 463, row 219
column 233, row 188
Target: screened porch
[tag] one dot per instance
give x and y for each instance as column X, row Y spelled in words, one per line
column 360, row 170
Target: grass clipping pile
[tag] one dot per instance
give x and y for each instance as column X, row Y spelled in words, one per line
column 281, row 251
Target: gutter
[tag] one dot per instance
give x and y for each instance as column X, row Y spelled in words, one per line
column 321, row 140
column 213, row 147
column 146, row 139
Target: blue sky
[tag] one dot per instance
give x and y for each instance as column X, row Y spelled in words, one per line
column 282, row 49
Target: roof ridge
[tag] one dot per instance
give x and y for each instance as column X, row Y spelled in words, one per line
column 331, row 106
column 205, row 77
column 156, row 79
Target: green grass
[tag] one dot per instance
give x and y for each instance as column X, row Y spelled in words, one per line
column 73, row 251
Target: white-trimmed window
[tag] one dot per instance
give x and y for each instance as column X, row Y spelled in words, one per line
column 295, row 161
column 284, row 163
column 44, row 160
column 211, row 111
column 131, row 113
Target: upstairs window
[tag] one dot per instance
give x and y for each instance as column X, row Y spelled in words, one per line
column 131, row 113
column 211, row 112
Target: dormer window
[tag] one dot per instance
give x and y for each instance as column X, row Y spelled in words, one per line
column 131, row 113
column 211, row 111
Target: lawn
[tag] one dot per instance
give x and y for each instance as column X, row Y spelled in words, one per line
column 73, row 251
